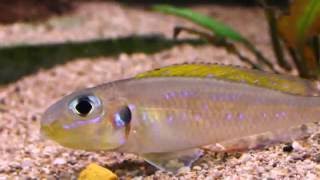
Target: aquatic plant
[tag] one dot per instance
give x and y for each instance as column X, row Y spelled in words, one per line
column 296, row 34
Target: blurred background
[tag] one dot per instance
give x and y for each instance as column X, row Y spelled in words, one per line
column 37, row 34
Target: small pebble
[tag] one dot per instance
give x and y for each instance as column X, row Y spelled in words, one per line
column 287, row 148
column 212, row 178
column 34, row 118
column 204, row 166
column 59, row 161
column 138, row 178
column 197, row 168
column 184, row 170
column 26, row 163
column 297, row 146
column 244, row 158
column 2, row 101
column 95, row 172
column 316, row 158
column 46, row 170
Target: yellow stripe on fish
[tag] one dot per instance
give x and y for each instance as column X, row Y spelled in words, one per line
column 278, row 82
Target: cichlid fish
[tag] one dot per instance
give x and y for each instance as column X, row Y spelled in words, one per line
column 167, row 114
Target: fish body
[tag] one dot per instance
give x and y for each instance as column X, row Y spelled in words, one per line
column 168, row 113
column 181, row 113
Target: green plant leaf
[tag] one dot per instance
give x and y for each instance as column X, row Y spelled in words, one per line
column 309, row 24
column 218, row 28
column 302, row 23
column 298, row 28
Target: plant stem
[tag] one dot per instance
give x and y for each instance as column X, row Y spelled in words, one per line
column 260, row 57
column 315, row 45
column 316, row 48
column 217, row 41
column 276, row 44
column 302, row 68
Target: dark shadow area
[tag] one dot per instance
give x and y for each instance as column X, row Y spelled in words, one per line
column 129, row 166
column 31, row 10
column 19, row 61
column 39, row 10
column 195, row 2
column 203, row 2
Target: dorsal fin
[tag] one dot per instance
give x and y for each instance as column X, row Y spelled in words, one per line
column 287, row 84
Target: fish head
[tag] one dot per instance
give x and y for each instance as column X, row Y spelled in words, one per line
column 90, row 119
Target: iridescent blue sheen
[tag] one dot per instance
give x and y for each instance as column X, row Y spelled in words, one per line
column 118, row 121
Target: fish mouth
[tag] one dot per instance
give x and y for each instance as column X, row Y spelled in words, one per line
column 53, row 112
column 46, row 131
column 47, row 119
column 49, row 123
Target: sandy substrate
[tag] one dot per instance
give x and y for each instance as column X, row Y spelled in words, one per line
column 23, row 154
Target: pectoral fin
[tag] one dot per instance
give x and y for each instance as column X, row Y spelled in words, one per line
column 173, row 161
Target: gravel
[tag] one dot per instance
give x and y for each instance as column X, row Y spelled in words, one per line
column 24, row 154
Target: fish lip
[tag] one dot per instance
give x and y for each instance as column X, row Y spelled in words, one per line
column 45, row 119
column 45, row 132
column 43, row 135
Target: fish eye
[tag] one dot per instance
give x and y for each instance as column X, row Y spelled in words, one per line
column 84, row 105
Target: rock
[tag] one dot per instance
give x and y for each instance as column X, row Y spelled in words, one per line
column 94, row 171
column 287, row 148
column 26, row 163
column 184, row 170
column 297, row 146
column 197, row 168
column 59, row 161
column 316, row 158
column 244, row 158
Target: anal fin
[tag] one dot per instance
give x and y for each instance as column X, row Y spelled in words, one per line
column 173, row 161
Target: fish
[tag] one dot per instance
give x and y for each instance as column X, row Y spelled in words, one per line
column 168, row 114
